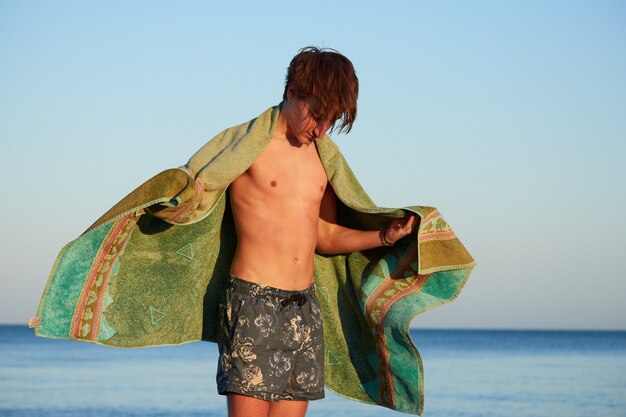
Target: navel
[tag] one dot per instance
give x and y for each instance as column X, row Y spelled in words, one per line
column 273, row 183
column 322, row 188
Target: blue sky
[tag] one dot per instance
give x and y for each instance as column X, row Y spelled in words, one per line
column 507, row 116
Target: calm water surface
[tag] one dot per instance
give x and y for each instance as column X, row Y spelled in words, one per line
column 467, row 373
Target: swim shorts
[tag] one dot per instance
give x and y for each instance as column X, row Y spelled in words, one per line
column 271, row 343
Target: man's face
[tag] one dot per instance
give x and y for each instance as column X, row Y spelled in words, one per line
column 305, row 123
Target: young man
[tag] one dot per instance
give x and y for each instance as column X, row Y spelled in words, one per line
column 270, row 340
column 224, row 249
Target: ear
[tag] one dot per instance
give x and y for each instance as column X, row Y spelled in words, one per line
column 291, row 92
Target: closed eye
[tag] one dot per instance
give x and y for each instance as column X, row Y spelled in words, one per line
column 316, row 116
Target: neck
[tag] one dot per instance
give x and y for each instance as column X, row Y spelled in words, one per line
column 281, row 130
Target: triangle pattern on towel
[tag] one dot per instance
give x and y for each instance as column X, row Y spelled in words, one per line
column 333, row 359
column 186, row 251
column 156, row 315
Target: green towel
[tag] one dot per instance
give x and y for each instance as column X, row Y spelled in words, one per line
column 152, row 269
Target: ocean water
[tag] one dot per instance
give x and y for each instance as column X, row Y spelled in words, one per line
column 467, row 373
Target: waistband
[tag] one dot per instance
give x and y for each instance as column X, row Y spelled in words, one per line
column 247, row 287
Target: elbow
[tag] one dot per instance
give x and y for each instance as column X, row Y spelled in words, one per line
column 323, row 246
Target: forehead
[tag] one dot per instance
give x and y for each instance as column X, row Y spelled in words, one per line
column 313, row 106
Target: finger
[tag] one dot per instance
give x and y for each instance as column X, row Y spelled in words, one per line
column 410, row 222
column 407, row 223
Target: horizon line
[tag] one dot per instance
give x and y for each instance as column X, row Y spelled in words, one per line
column 478, row 329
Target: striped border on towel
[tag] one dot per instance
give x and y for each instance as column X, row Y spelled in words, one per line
column 88, row 311
column 394, row 287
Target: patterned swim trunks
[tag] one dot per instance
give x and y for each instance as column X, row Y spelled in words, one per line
column 271, row 343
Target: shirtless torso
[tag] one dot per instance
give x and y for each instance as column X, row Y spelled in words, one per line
column 276, row 206
column 284, row 208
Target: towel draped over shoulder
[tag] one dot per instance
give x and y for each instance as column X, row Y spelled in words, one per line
column 152, row 269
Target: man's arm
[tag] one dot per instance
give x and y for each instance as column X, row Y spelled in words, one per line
column 333, row 238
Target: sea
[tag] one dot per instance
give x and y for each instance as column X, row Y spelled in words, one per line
column 499, row 373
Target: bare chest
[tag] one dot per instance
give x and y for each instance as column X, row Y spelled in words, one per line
column 291, row 174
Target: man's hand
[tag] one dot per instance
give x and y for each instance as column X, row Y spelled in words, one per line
column 333, row 238
column 399, row 228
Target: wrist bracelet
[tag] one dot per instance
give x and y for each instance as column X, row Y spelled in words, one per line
column 381, row 235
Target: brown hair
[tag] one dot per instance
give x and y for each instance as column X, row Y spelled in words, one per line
column 329, row 77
